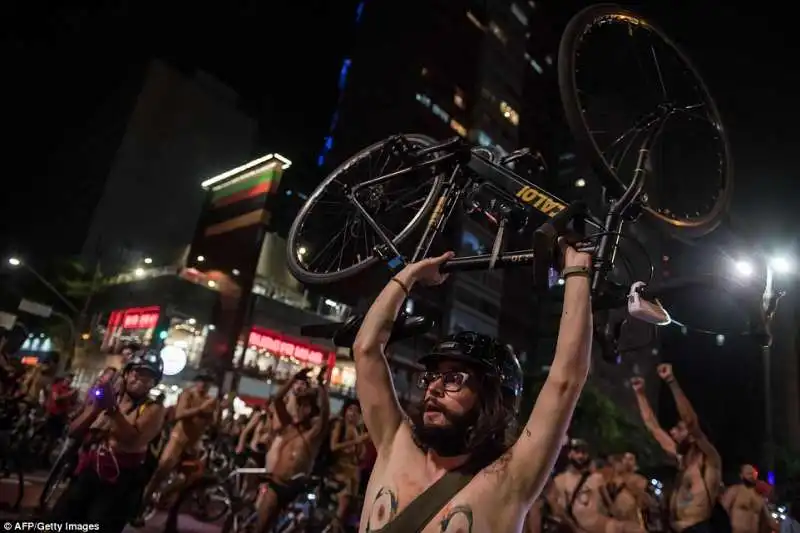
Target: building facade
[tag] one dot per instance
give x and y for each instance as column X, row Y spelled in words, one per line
column 180, row 127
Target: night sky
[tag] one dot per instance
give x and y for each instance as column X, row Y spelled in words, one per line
column 59, row 63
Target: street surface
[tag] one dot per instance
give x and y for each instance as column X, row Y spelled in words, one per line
column 33, row 488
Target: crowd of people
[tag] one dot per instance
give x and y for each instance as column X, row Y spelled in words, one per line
column 456, row 461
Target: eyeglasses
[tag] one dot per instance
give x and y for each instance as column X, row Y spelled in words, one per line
column 452, row 381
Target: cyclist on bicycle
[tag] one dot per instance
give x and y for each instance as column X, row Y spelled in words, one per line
column 120, row 426
column 466, row 418
column 254, row 440
column 194, row 414
column 299, row 425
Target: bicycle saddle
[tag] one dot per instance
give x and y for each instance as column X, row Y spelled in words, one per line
column 343, row 334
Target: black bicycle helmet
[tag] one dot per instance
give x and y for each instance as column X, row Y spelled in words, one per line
column 147, row 359
column 480, row 350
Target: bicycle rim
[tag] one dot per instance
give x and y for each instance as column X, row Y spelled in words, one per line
column 683, row 215
column 316, row 232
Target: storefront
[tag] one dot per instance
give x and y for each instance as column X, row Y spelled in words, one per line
column 279, row 356
column 135, row 324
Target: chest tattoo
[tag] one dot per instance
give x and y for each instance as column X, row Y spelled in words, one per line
column 384, row 508
column 457, row 520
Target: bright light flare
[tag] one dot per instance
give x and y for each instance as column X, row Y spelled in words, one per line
column 781, row 265
column 744, row 268
column 13, row 261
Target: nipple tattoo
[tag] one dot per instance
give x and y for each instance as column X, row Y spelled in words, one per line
column 460, row 517
column 384, row 507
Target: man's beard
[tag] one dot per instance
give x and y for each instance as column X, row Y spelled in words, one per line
column 580, row 464
column 748, row 483
column 449, row 440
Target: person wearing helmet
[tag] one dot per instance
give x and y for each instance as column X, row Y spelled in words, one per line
column 194, row 414
column 120, row 427
column 465, row 422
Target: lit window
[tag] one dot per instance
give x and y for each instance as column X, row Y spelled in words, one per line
column 475, row 21
column 458, row 99
column 458, row 128
column 441, row 113
column 509, row 113
column 501, row 36
column 521, row 16
column 424, row 100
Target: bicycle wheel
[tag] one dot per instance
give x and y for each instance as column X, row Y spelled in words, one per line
column 329, row 223
column 689, row 180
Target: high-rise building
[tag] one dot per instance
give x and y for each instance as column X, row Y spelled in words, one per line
column 443, row 69
column 179, row 129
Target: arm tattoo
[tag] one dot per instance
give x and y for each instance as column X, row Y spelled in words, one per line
column 461, row 518
column 384, row 509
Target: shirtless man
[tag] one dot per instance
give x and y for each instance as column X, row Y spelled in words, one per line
column 194, row 413
column 699, row 463
column 347, row 447
column 109, row 468
column 466, row 418
column 589, row 509
column 627, row 490
column 255, row 438
column 299, row 424
column 746, row 507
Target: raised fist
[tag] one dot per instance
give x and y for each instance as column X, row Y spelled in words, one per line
column 664, row 371
column 637, row 384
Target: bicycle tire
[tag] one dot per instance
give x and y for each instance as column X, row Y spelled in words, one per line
column 292, row 244
column 65, row 461
column 60, row 472
column 580, row 130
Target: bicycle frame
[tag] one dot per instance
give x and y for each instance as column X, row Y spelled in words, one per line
column 466, row 163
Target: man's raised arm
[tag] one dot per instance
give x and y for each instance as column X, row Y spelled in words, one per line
column 650, row 420
column 382, row 414
column 689, row 417
column 533, row 455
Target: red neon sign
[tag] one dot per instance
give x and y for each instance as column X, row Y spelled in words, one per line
column 280, row 345
column 136, row 318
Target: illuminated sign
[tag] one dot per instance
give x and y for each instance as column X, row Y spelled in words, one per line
column 140, row 320
column 267, row 340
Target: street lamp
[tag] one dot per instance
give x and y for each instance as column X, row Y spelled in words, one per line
column 769, row 303
column 15, row 262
